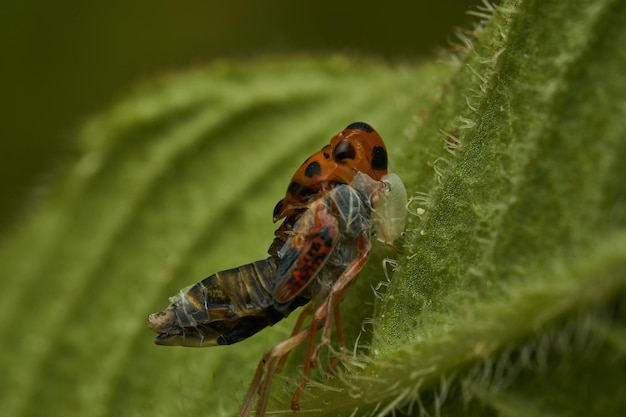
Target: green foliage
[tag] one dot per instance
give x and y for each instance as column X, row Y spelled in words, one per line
column 508, row 299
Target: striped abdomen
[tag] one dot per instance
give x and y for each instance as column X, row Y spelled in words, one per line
column 224, row 308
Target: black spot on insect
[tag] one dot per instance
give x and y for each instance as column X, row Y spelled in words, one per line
column 278, row 208
column 327, row 235
column 361, row 126
column 344, row 150
column 325, row 152
column 314, row 169
column 294, row 188
column 299, row 190
column 379, row 158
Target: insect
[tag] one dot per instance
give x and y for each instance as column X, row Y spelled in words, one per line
column 358, row 148
column 330, row 214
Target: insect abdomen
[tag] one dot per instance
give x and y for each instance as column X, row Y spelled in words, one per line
column 222, row 309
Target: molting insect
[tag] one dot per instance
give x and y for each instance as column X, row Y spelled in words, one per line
column 336, row 201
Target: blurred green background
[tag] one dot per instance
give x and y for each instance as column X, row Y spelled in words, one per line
column 66, row 60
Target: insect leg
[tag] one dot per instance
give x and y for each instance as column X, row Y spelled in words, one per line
column 324, row 312
column 339, row 328
column 307, row 311
column 265, row 372
column 338, row 291
column 340, row 339
column 295, row 406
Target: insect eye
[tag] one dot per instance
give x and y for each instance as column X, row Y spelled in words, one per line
column 344, row 150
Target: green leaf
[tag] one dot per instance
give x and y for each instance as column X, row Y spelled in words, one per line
column 508, row 298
